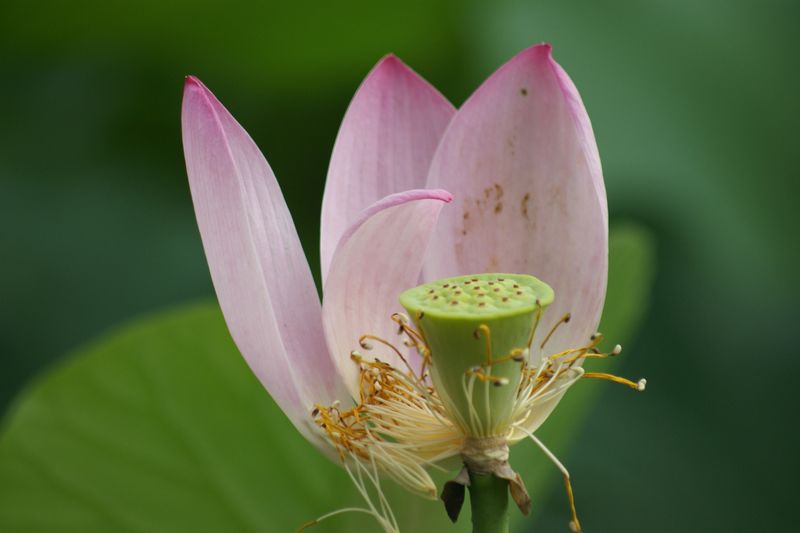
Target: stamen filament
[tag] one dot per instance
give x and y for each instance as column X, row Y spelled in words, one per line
column 487, row 335
column 637, row 386
column 563, row 320
column 319, row 519
column 575, row 523
column 536, row 321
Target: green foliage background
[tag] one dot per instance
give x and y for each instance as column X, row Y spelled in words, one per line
column 694, row 106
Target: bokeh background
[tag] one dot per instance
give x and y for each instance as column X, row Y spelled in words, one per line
column 695, row 108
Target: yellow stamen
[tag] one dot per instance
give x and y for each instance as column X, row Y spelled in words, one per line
column 575, row 523
column 563, row 320
column 638, row 385
column 536, row 321
column 487, row 335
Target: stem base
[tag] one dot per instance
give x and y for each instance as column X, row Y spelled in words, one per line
column 488, row 496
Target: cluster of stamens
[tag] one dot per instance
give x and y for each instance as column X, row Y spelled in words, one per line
column 400, row 424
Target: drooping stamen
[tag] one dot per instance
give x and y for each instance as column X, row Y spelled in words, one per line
column 575, row 524
column 385, row 517
column 314, row 522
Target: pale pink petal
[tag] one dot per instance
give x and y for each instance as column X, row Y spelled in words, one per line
column 260, row 274
column 384, row 146
column 521, row 159
column 378, row 257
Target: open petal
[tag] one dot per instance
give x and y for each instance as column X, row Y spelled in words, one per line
column 385, row 145
column 521, row 159
column 260, row 274
column 378, row 257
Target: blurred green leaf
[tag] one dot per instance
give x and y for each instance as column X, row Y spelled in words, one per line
column 161, row 427
column 272, row 45
column 631, row 270
column 630, row 275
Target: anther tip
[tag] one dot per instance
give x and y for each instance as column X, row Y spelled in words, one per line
column 617, row 350
column 575, row 528
column 640, row 386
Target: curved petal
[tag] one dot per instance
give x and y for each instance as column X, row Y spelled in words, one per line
column 384, row 146
column 521, row 159
column 379, row 257
column 260, row 274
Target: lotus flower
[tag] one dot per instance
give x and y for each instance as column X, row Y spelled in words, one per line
column 416, row 191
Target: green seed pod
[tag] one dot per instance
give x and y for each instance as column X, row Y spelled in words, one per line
column 477, row 331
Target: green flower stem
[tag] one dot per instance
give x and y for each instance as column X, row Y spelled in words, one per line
column 488, row 497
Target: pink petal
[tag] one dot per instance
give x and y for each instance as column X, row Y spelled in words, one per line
column 378, row 257
column 522, row 161
column 384, row 146
column 260, row 274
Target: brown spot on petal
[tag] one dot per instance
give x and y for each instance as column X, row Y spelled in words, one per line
column 525, row 200
column 523, row 91
column 498, row 208
column 466, row 222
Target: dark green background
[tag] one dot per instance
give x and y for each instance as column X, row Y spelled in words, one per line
column 694, row 104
